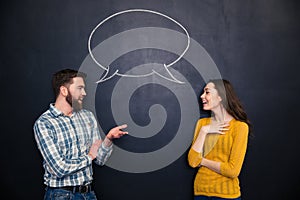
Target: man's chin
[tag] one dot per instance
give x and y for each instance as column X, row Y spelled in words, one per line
column 77, row 106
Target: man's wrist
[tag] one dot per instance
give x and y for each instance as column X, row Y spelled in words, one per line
column 109, row 137
column 91, row 156
column 107, row 141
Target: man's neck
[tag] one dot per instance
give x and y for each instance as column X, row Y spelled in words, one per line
column 63, row 106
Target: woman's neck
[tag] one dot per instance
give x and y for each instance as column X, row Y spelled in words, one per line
column 220, row 114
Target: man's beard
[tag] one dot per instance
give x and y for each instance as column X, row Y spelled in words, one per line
column 73, row 102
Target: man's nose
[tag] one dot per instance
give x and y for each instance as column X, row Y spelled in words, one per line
column 83, row 92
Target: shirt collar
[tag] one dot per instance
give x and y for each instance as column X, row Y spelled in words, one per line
column 55, row 111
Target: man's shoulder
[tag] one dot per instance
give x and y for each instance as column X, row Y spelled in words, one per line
column 85, row 111
column 46, row 115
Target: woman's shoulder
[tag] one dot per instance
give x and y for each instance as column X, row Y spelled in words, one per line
column 240, row 125
column 203, row 120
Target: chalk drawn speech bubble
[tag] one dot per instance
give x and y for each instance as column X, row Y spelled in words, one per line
column 169, row 76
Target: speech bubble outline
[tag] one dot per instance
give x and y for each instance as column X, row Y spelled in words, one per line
column 169, row 76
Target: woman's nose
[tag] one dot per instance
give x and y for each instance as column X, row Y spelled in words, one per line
column 202, row 96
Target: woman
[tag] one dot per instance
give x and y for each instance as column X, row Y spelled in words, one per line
column 219, row 144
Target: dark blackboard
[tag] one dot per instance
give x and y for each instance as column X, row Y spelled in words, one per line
column 254, row 44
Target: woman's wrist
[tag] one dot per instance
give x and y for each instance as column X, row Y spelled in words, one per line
column 203, row 132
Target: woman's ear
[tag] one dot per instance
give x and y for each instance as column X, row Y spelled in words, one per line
column 220, row 98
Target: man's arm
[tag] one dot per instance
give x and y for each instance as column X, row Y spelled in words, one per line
column 60, row 166
column 105, row 149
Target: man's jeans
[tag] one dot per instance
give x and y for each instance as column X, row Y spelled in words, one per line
column 60, row 194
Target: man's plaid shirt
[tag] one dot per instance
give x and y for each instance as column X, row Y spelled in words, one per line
column 64, row 143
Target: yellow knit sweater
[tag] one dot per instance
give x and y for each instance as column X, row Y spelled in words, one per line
column 228, row 149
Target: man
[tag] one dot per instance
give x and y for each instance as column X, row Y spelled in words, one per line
column 69, row 140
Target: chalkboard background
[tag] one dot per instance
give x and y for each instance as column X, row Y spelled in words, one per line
column 255, row 44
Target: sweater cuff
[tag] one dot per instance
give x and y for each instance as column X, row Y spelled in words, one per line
column 194, row 158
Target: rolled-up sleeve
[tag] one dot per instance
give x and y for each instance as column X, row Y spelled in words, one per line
column 194, row 157
column 104, row 152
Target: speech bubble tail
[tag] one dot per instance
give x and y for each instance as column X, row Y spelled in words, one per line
column 105, row 78
column 171, row 76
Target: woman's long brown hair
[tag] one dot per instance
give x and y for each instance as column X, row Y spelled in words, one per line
column 231, row 102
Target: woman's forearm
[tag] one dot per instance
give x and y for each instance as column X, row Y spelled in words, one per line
column 199, row 142
column 210, row 164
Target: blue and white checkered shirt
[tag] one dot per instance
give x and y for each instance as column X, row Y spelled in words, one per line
column 64, row 142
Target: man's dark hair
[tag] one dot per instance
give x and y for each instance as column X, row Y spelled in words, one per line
column 63, row 78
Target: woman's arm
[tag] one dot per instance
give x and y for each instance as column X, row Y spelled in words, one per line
column 195, row 157
column 195, row 154
column 233, row 167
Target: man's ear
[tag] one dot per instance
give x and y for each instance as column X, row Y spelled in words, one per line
column 64, row 90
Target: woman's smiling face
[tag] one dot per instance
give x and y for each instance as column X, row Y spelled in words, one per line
column 210, row 97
